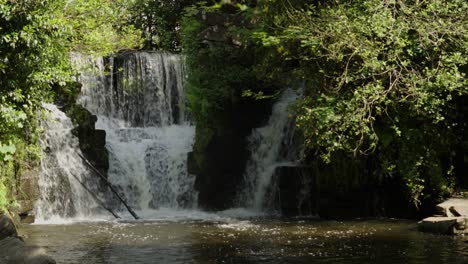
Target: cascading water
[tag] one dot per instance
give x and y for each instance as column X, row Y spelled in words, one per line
column 269, row 149
column 63, row 173
column 140, row 104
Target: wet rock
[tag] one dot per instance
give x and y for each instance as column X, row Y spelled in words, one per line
column 453, row 219
column 295, row 191
column 15, row 251
column 445, row 225
column 27, row 218
column 92, row 141
column 7, row 227
column 28, row 192
column 221, row 153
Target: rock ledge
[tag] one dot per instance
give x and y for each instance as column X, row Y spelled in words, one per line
column 453, row 219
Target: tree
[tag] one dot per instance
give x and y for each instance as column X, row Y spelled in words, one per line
column 385, row 79
column 160, row 22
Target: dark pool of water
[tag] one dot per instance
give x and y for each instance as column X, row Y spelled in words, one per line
column 246, row 241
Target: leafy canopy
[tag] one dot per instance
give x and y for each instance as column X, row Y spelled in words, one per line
column 384, row 78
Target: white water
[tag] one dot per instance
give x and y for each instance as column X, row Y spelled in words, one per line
column 268, row 147
column 62, row 170
column 139, row 101
column 140, row 104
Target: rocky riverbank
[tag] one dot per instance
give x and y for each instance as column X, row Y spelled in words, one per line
column 452, row 218
column 14, row 251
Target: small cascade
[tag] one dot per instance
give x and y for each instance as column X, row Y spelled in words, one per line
column 270, row 147
column 63, row 173
column 139, row 101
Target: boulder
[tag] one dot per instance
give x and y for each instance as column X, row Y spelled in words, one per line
column 445, row 225
column 453, row 207
column 14, row 251
column 7, row 227
column 453, row 219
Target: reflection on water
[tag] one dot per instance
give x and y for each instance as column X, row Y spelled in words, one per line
column 246, row 241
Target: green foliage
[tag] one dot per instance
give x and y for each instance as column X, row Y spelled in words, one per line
column 384, row 78
column 160, row 22
column 36, row 38
column 99, row 26
column 219, row 71
column 220, row 67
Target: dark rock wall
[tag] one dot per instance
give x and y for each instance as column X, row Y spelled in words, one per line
column 220, row 165
column 92, row 140
column 345, row 189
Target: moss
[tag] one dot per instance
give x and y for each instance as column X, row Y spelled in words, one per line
column 203, row 137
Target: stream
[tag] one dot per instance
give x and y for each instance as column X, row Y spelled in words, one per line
column 196, row 237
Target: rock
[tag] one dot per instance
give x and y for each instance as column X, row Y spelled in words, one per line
column 15, row 251
column 444, row 225
column 453, row 207
column 7, row 227
column 28, row 191
column 218, row 25
column 295, row 193
column 27, row 219
column 214, row 34
column 92, row 141
column 220, row 19
column 221, row 153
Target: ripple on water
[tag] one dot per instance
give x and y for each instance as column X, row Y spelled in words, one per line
column 228, row 240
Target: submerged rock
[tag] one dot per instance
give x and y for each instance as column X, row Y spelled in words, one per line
column 14, row 251
column 445, row 225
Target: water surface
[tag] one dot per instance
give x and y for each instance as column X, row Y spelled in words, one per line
column 229, row 240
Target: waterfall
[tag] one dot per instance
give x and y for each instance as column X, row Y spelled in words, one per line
column 139, row 101
column 63, row 172
column 270, row 147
